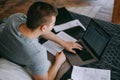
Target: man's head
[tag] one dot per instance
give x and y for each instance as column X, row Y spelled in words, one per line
column 40, row 14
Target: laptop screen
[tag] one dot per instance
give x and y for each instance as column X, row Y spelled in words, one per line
column 96, row 38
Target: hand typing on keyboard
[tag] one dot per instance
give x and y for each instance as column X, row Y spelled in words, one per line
column 78, row 51
column 70, row 46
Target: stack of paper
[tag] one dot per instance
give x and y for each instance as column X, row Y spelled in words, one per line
column 82, row 73
column 68, row 25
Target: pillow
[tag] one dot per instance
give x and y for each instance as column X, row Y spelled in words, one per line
column 12, row 71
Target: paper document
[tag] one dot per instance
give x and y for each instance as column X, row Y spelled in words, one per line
column 82, row 73
column 53, row 47
column 68, row 25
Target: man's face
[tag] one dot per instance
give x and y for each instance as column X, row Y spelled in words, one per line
column 51, row 24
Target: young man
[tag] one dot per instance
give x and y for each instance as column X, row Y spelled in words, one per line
column 19, row 40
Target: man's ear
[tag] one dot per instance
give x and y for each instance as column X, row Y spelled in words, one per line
column 43, row 28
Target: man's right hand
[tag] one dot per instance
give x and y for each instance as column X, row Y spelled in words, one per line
column 60, row 58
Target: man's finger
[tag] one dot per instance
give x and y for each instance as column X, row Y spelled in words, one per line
column 79, row 45
column 73, row 51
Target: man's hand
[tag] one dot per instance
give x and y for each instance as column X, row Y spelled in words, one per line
column 69, row 46
column 60, row 58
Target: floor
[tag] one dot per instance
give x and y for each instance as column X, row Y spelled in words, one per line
column 99, row 9
column 116, row 12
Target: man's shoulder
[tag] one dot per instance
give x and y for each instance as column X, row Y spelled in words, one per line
column 18, row 17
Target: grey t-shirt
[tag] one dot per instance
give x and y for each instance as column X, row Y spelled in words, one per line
column 20, row 49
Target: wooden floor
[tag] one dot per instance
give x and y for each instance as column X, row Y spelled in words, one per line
column 100, row 9
column 116, row 12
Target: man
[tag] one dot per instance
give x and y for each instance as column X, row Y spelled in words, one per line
column 19, row 40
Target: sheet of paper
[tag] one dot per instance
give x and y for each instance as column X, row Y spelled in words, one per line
column 83, row 73
column 68, row 25
column 53, row 47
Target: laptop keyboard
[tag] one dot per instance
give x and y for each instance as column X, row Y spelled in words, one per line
column 84, row 54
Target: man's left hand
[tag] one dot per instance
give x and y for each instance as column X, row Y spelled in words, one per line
column 69, row 46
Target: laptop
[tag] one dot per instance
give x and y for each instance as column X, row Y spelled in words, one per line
column 94, row 41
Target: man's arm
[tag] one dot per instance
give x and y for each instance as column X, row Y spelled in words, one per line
column 51, row 36
column 67, row 45
column 59, row 60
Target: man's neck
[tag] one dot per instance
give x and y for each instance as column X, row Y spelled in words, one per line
column 27, row 32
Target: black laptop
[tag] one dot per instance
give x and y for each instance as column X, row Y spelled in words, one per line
column 94, row 41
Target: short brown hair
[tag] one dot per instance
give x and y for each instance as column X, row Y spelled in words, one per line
column 39, row 13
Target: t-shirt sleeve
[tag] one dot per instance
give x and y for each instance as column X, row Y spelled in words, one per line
column 13, row 19
column 39, row 63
